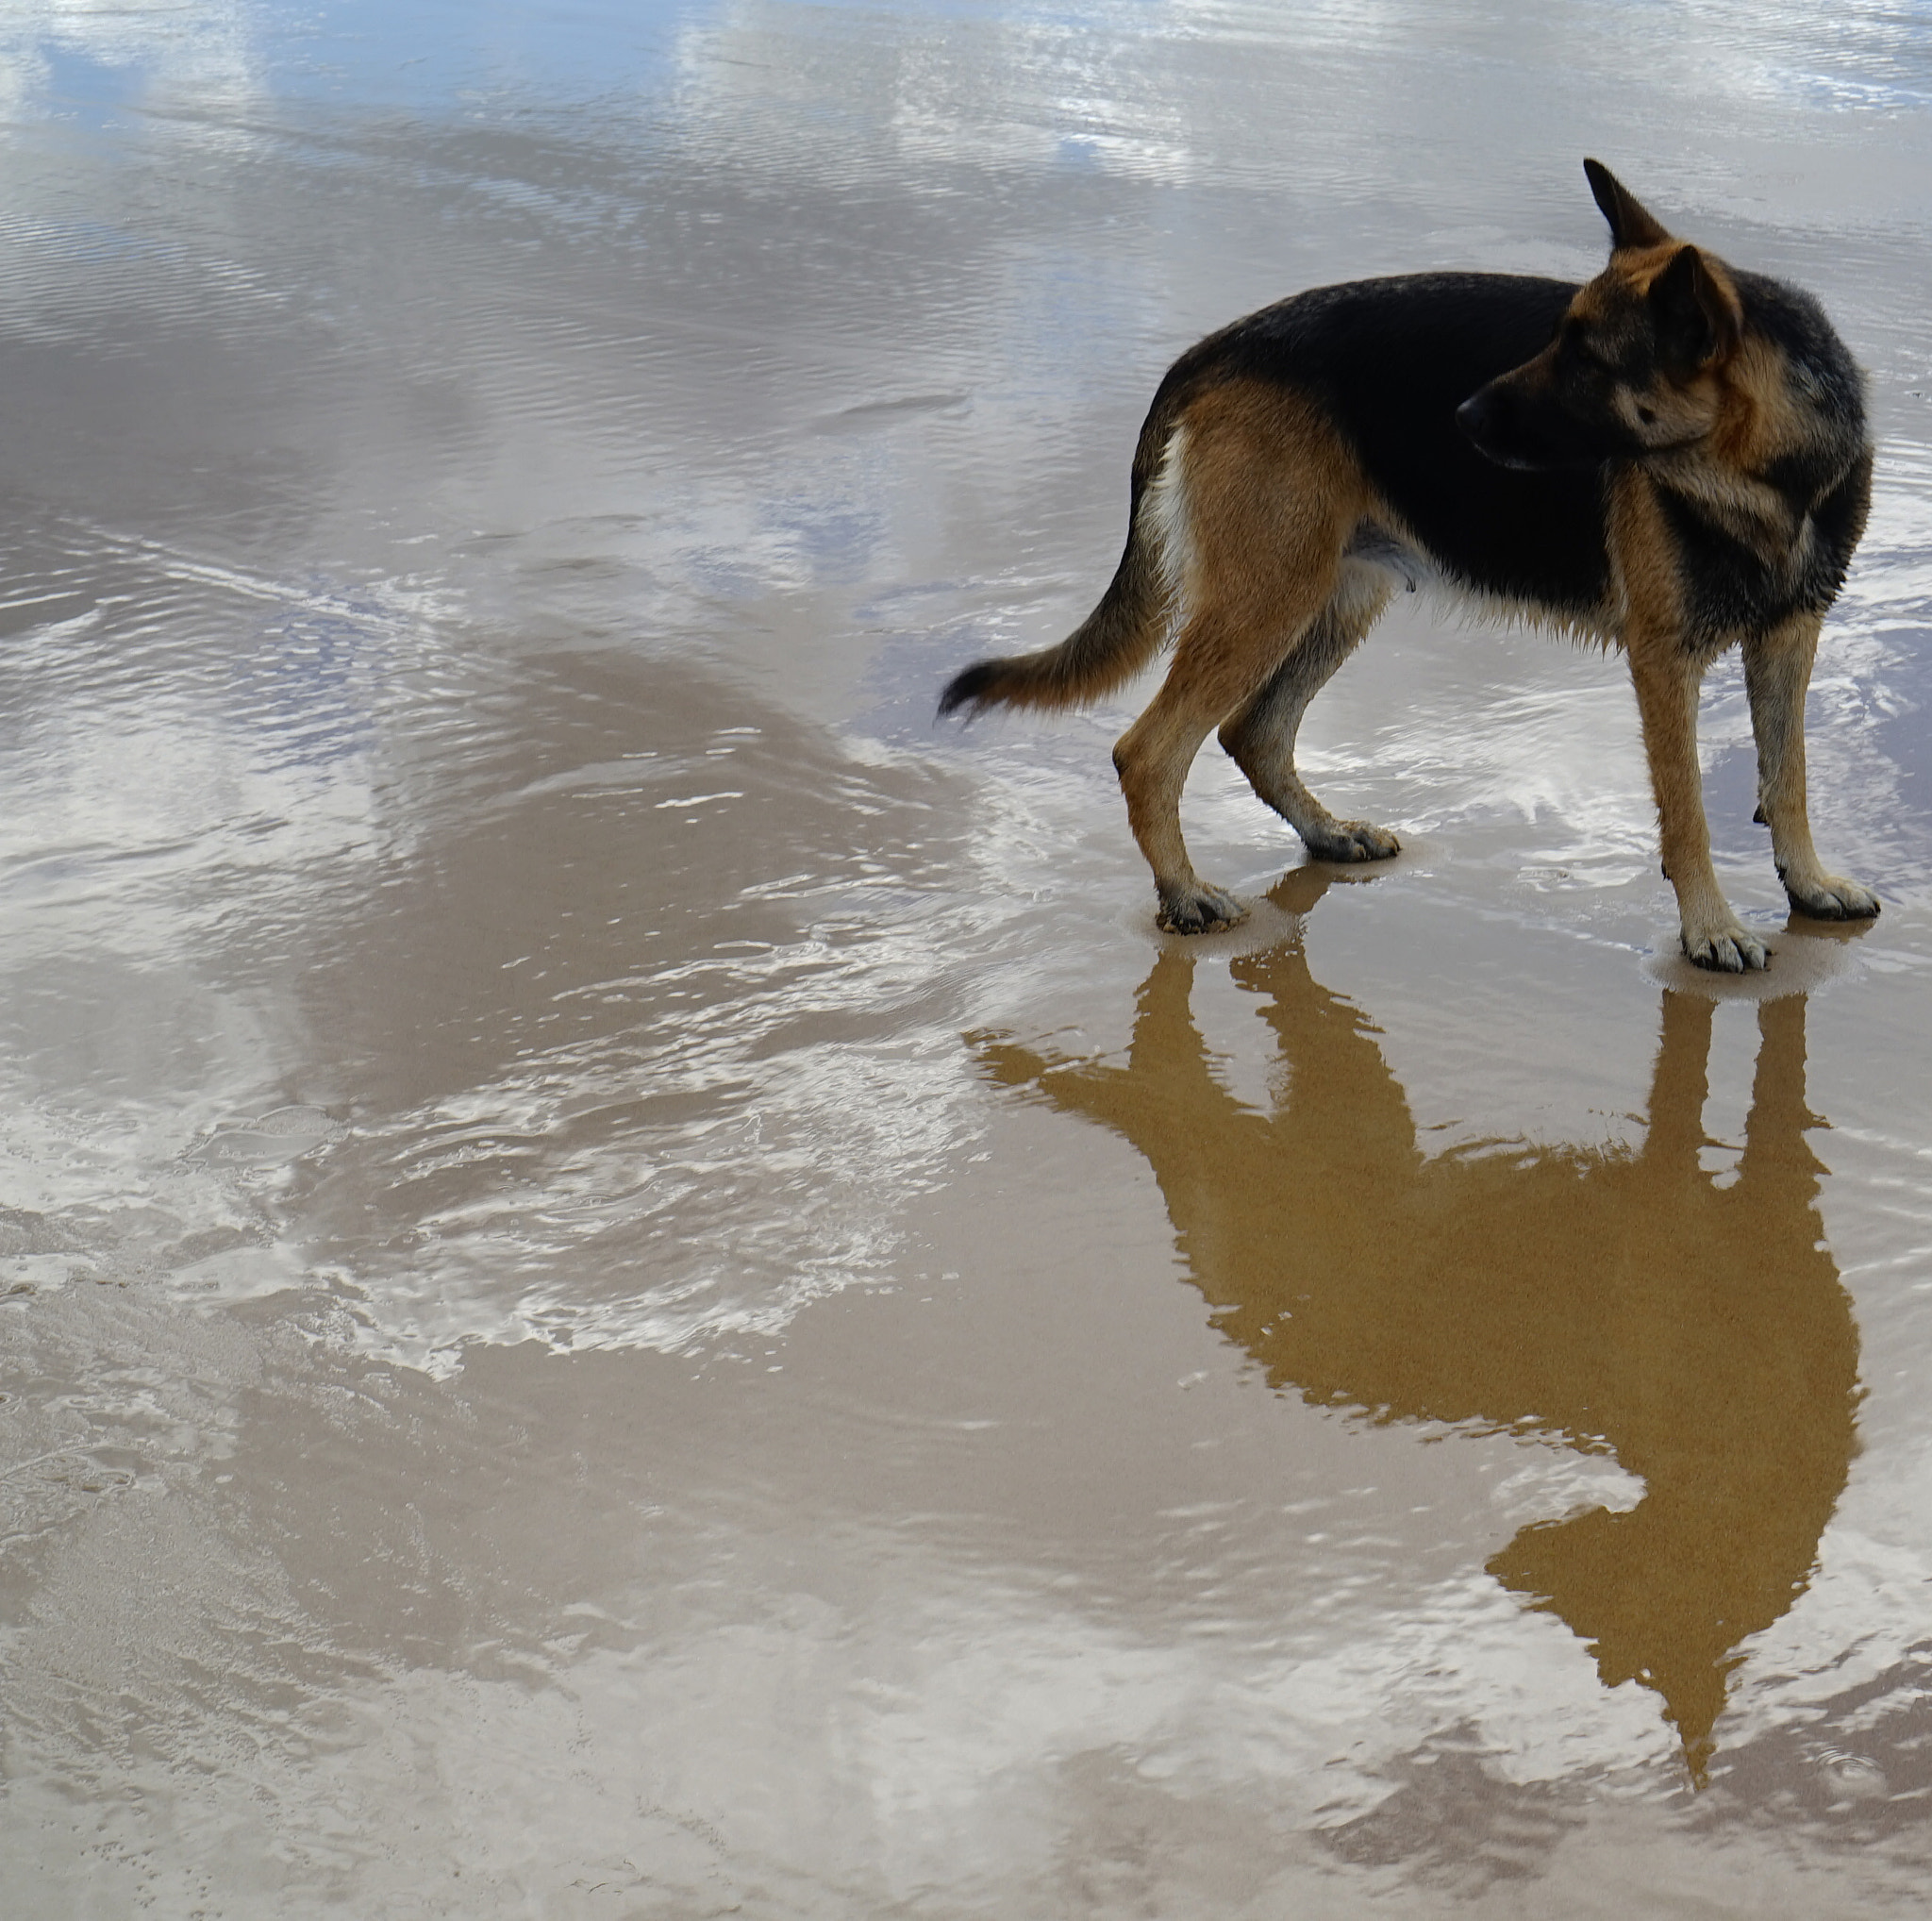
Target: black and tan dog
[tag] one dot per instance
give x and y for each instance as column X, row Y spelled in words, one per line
column 1672, row 460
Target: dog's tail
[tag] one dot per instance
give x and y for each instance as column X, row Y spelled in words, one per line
column 1132, row 621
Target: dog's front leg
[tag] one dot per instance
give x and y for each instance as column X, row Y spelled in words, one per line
column 1666, row 675
column 1778, row 672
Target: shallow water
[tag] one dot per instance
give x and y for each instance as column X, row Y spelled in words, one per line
column 633, row 1283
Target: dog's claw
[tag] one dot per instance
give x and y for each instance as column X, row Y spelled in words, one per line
column 1352, row 841
column 1832, row 898
column 1730, row 950
column 1201, row 909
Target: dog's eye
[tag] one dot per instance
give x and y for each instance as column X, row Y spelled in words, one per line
column 1647, row 416
column 1578, row 352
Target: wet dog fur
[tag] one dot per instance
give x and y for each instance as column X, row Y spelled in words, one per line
column 1671, row 459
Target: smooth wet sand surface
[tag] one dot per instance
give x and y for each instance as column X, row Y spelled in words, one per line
column 631, row 1282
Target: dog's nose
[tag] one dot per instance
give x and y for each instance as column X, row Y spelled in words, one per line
column 1472, row 416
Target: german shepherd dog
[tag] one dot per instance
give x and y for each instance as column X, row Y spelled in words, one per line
column 1671, row 459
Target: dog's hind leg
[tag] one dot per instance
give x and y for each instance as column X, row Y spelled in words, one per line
column 1777, row 671
column 1259, row 514
column 1152, row 758
column 1260, row 738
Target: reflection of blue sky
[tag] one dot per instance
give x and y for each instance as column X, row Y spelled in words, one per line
column 430, row 54
column 435, row 51
column 423, row 56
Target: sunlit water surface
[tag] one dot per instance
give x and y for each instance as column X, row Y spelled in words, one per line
column 632, row 1283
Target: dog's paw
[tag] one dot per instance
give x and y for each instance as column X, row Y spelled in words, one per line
column 1202, row 909
column 1830, row 897
column 1726, row 950
column 1352, row 841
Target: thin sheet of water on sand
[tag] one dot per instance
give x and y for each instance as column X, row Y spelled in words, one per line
column 633, row 1283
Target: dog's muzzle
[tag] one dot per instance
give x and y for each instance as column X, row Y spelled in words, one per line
column 1484, row 417
column 1504, row 428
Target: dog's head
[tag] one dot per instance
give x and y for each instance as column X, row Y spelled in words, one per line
column 1636, row 365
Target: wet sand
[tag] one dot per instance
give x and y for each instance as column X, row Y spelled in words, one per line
column 632, row 1282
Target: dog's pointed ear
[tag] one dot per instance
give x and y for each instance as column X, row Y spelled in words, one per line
column 1632, row 225
column 1698, row 321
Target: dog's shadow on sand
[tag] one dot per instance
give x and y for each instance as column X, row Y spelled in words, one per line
column 1690, row 1321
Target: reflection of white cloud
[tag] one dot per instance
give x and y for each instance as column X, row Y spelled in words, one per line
column 22, row 74
column 154, row 782
column 951, row 1742
column 1014, row 89
column 1857, row 55
column 134, row 759
column 1109, row 89
column 203, row 56
column 789, row 1180
column 1201, row 91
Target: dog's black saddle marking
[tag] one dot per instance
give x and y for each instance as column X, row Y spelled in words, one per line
column 1389, row 361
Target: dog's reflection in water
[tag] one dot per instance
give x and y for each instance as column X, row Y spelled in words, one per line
column 1691, row 1322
